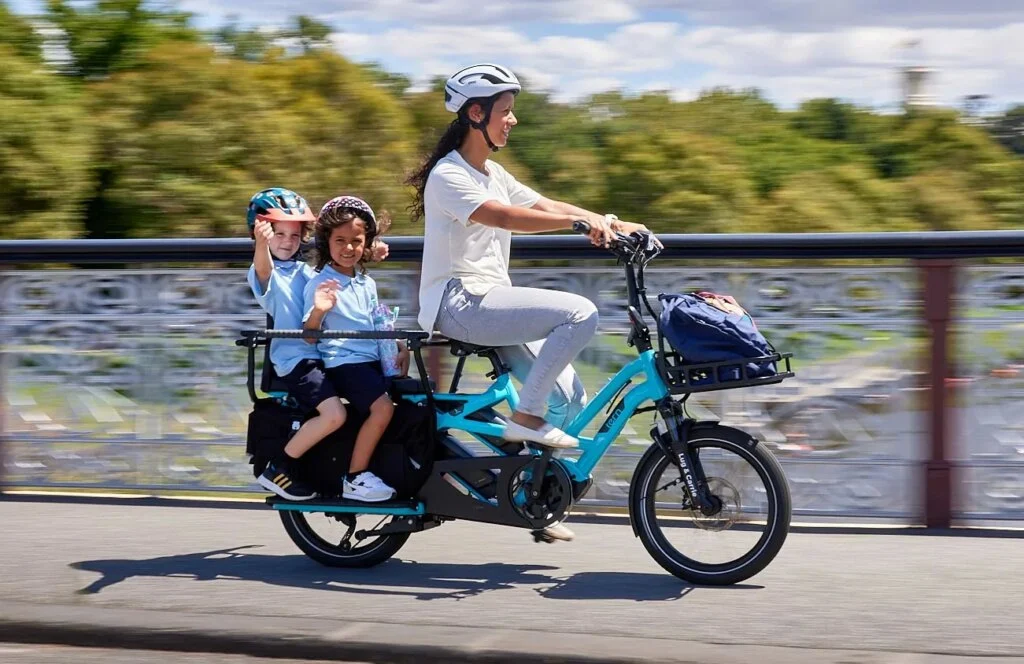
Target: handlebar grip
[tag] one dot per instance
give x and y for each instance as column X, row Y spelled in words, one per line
column 581, row 227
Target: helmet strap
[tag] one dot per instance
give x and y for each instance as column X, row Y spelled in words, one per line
column 487, row 106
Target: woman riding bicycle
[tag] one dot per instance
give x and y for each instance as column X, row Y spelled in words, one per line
column 471, row 206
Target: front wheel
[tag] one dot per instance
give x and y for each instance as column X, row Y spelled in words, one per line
column 322, row 537
column 737, row 541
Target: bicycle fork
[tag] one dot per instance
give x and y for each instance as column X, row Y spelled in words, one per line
column 672, row 434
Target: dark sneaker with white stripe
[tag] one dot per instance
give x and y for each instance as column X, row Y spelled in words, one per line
column 280, row 482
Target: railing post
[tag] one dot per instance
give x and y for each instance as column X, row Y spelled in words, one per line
column 3, row 409
column 939, row 279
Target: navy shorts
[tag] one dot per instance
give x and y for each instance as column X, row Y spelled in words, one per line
column 308, row 384
column 361, row 383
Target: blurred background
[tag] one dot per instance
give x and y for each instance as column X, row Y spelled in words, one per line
column 131, row 119
column 124, row 118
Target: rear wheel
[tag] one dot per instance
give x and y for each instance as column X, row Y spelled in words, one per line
column 322, row 537
column 737, row 541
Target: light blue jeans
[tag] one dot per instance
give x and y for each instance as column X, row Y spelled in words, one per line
column 539, row 333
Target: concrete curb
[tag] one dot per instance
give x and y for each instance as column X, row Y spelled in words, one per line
column 582, row 514
column 293, row 638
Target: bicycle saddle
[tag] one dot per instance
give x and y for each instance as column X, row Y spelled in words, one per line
column 463, row 348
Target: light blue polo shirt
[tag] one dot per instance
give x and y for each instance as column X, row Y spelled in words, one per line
column 283, row 301
column 357, row 297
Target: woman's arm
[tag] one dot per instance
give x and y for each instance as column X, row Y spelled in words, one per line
column 561, row 207
column 534, row 220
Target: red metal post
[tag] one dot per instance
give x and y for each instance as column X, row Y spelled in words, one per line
column 939, row 284
column 3, row 426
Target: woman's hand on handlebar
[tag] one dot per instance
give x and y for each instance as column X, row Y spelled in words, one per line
column 628, row 228
column 601, row 232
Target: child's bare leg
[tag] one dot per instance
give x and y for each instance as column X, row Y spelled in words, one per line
column 370, row 433
column 315, row 429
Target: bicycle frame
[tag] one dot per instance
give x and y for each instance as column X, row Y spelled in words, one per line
column 454, row 411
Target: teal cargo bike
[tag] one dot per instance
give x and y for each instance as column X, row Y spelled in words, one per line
column 709, row 502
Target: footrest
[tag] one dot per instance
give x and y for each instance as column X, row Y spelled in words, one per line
column 397, row 507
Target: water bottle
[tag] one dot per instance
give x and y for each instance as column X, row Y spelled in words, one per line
column 384, row 321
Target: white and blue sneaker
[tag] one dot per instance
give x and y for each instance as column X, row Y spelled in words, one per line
column 367, row 488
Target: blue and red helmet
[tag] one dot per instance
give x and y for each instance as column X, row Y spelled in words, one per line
column 278, row 204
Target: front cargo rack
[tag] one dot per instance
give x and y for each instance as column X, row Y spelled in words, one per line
column 684, row 377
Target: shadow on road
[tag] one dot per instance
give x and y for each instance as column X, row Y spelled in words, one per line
column 422, row 581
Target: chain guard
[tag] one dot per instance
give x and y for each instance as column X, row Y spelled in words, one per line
column 556, row 496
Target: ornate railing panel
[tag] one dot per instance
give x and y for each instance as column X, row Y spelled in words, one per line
column 988, row 432
column 129, row 378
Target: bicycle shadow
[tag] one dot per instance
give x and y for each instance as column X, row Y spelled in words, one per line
column 396, row 577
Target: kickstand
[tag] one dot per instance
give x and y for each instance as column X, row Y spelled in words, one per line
column 350, row 521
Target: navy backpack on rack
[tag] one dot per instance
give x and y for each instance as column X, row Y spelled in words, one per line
column 705, row 327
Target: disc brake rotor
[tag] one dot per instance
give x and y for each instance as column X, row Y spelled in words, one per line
column 728, row 515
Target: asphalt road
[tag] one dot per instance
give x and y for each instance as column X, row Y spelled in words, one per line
column 878, row 593
column 18, row 653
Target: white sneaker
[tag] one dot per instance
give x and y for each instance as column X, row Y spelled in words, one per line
column 547, row 435
column 559, row 531
column 366, row 487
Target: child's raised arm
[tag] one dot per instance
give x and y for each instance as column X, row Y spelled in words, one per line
column 318, row 301
column 263, row 232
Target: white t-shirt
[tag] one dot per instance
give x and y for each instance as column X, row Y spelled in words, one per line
column 454, row 245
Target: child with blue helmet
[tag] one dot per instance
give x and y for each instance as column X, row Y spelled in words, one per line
column 279, row 221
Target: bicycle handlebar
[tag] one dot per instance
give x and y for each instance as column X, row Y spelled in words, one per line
column 629, row 247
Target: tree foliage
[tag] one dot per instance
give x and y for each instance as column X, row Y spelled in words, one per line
column 45, row 148
column 148, row 127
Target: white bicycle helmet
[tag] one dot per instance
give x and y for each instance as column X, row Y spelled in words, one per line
column 478, row 81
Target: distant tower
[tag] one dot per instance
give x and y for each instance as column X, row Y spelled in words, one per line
column 915, row 87
column 915, row 79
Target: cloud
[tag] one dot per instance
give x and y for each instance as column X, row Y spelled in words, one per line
column 858, row 64
column 783, row 15
column 802, row 15
column 791, row 49
column 426, row 12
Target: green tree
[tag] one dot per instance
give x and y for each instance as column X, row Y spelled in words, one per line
column 45, row 149
column 942, row 200
column 1008, row 129
column 310, row 33
column 190, row 137
column 827, row 119
column 839, row 198
column 243, row 43
column 113, row 35
column 677, row 182
column 987, row 173
column 19, row 35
